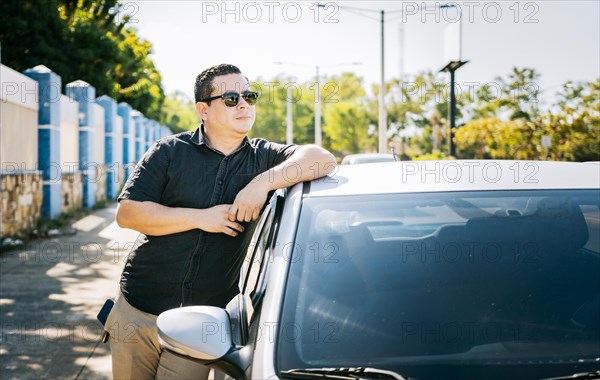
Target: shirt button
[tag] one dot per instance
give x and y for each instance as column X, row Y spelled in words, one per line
column 220, row 182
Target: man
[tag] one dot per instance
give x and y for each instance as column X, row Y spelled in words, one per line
column 195, row 198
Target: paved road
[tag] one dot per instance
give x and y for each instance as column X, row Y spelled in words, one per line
column 50, row 293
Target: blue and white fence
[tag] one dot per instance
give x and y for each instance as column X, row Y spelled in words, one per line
column 63, row 151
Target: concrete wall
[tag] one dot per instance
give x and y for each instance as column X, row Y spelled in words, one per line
column 99, row 135
column 101, row 184
column 69, row 135
column 21, row 191
column 19, row 120
column 21, row 201
column 72, row 191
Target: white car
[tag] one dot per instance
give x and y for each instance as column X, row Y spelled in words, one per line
column 422, row 270
column 367, row 158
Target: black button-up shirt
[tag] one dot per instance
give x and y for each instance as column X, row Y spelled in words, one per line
column 192, row 267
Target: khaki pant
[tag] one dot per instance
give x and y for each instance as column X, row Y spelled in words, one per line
column 136, row 353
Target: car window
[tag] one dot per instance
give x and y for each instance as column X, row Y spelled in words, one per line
column 591, row 213
column 255, row 263
column 253, row 254
column 435, row 284
column 258, row 257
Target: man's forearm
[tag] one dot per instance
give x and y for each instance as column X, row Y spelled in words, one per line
column 307, row 163
column 154, row 219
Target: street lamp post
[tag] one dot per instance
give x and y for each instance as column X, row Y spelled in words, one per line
column 451, row 68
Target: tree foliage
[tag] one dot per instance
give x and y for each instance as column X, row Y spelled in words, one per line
column 417, row 110
column 346, row 117
column 135, row 78
column 574, row 125
column 271, row 120
column 497, row 139
column 514, row 97
column 346, row 125
column 82, row 39
column 270, row 110
column 501, row 120
column 179, row 113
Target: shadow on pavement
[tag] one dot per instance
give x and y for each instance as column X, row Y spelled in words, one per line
column 50, row 293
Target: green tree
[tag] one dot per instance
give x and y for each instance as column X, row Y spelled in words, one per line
column 574, row 124
column 497, row 139
column 82, row 39
column 505, row 119
column 30, row 34
column 179, row 113
column 434, row 155
column 514, row 126
column 135, row 78
column 510, row 98
column 347, row 125
column 270, row 110
column 344, row 87
column 417, row 109
column 343, row 98
column 94, row 64
column 303, row 111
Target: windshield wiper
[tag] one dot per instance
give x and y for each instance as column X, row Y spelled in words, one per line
column 579, row 376
column 341, row 373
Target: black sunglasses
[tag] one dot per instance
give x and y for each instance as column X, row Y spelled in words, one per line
column 231, row 99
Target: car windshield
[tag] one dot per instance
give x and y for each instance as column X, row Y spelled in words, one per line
column 478, row 285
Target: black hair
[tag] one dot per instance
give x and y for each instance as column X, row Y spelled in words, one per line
column 204, row 81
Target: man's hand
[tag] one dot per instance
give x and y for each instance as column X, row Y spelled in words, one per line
column 216, row 219
column 249, row 201
column 308, row 162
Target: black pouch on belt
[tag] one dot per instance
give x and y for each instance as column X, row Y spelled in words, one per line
column 103, row 314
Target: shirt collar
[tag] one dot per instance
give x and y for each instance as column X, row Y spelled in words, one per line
column 199, row 138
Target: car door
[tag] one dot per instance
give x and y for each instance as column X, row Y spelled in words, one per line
column 254, row 272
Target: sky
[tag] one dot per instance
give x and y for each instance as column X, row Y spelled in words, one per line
column 560, row 39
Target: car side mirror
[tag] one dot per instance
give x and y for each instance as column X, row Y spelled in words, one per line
column 204, row 334
column 201, row 332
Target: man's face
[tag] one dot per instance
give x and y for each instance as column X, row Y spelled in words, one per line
column 222, row 119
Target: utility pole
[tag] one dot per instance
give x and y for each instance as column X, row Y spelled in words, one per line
column 318, row 134
column 382, row 116
column 289, row 137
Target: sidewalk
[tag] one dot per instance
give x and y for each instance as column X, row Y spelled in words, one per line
column 50, row 293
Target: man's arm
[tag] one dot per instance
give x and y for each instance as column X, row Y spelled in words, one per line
column 308, row 162
column 151, row 218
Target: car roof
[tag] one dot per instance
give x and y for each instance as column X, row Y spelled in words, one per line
column 454, row 175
